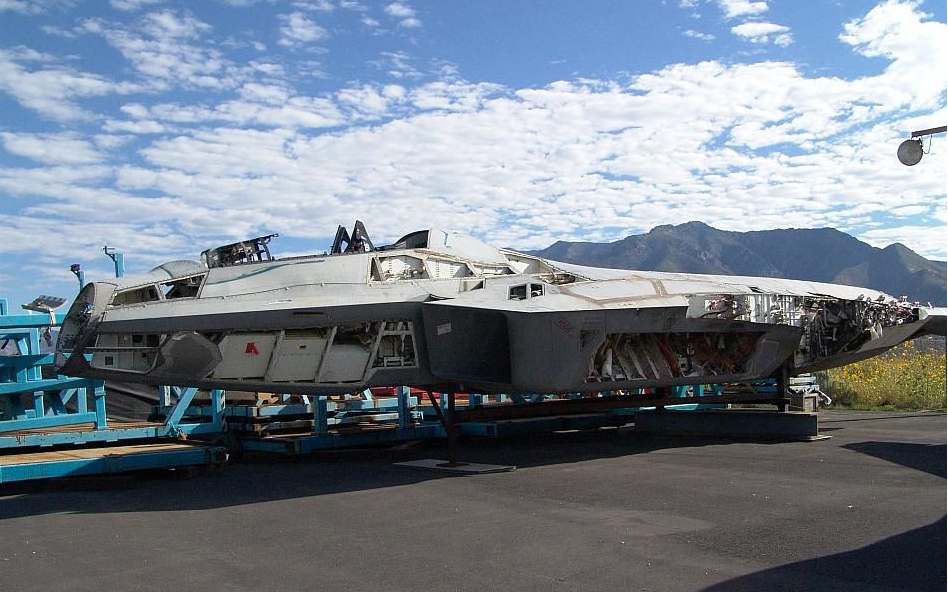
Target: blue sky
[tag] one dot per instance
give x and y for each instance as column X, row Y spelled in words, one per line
column 164, row 128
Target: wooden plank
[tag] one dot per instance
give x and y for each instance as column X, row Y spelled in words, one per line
column 82, row 427
column 89, row 453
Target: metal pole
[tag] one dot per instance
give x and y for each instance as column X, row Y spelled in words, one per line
column 404, row 413
column 452, row 432
column 80, row 275
column 452, row 429
column 118, row 259
column 930, row 131
column 783, row 385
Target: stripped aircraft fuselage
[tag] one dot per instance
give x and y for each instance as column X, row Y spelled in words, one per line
column 440, row 310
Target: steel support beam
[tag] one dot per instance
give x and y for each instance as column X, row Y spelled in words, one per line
column 593, row 404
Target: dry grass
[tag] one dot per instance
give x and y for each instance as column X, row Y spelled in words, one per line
column 906, row 378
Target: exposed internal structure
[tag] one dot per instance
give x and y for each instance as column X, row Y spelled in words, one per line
column 657, row 356
column 830, row 326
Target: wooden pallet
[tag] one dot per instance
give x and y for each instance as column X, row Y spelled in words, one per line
column 22, row 458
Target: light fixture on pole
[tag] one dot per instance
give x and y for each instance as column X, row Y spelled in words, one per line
column 911, row 151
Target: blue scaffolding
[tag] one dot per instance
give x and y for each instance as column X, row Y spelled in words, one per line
column 30, row 401
column 42, row 409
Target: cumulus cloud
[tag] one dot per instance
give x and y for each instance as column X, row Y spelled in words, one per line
column 61, row 148
column 314, row 5
column 168, row 25
column 698, row 35
column 296, row 30
column 397, row 64
column 562, row 159
column 162, row 47
column 744, row 146
column 404, row 13
column 736, row 8
column 758, row 32
column 51, row 89
column 924, row 239
column 29, row 7
column 130, row 5
column 21, row 6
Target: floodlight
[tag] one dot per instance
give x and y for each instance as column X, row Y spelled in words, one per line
column 910, row 152
column 45, row 303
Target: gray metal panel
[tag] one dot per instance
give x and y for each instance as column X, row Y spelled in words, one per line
column 245, row 355
column 611, row 290
column 297, row 358
column 344, row 362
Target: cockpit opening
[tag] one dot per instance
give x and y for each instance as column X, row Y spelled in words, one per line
column 414, row 240
column 247, row 251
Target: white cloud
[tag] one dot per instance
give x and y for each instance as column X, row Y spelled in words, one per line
column 916, row 48
column 264, row 93
column 366, row 102
column 140, row 126
column 314, row 5
column 744, row 146
column 21, row 6
column 259, row 105
column 398, row 64
column 111, row 141
column 297, row 29
column 399, row 10
column 404, row 13
column 925, row 240
column 130, row 5
column 62, row 148
column 168, row 25
column 29, row 7
column 757, row 32
column 736, row 8
column 52, row 90
column 698, row 35
column 905, row 211
column 163, row 48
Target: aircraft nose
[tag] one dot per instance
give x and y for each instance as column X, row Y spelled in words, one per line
column 78, row 328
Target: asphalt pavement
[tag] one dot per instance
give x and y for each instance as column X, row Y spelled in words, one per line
column 607, row 510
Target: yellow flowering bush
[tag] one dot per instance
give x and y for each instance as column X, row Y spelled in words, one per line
column 905, row 378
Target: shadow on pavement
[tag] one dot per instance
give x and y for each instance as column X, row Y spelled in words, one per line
column 929, row 458
column 263, row 477
column 908, row 562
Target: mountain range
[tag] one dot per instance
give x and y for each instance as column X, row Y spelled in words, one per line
column 815, row 254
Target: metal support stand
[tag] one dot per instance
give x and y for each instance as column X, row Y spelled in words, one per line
column 320, row 415
column 404, row 410
column 451, row 428
column 783, row 386
column 436, row 404
column 663, row 392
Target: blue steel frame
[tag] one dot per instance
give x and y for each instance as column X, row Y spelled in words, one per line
column 63, row 401
column 30, row 401
column 113, row 463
